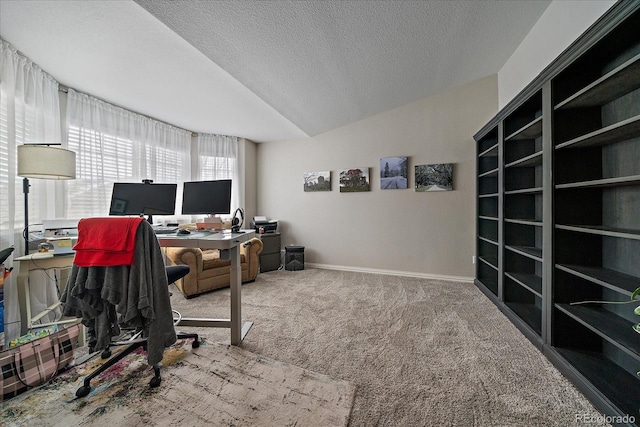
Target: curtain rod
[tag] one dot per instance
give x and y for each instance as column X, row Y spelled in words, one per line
column 65, row 89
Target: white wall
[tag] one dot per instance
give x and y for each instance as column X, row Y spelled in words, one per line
column 559, row 26
column 403, row 231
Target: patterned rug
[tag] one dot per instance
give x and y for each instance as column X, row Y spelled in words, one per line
column 213, row 385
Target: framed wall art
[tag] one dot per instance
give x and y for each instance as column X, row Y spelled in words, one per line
column 354, row 180
column 317, row 181
column 438, row 177
column 393, row 173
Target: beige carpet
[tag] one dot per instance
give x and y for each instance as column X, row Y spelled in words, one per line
column 420, row 352
column 214, row 385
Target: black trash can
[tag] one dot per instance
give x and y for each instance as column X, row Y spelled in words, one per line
column 294, row 258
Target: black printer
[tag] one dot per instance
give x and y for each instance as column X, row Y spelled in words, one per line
column 268, row 225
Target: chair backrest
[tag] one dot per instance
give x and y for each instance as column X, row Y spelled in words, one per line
column 106, row 242
column 133, row 295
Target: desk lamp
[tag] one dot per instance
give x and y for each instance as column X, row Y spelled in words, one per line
column 41, row 160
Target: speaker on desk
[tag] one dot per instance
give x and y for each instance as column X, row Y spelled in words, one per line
column 294, row 258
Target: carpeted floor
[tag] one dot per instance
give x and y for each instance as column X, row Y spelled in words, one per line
column 420, row 352
column 213, row 385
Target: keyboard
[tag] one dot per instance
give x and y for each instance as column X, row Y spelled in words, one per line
column 165, row 230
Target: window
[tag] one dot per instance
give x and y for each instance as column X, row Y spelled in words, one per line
column 116, row 145
column 218, row 159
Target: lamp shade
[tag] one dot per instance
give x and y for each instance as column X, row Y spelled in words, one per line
column 46, row 162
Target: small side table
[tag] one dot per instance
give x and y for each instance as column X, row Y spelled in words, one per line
column 270, row 256
column 24, row 265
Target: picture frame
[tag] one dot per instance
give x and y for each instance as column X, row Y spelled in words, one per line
column 354, row 180
column 317, row 181
column 435, row 177
column 393, row 173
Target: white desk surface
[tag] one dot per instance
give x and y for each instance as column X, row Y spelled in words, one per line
column 43, row 255
column 205, row 239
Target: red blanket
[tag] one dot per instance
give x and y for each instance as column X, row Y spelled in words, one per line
column 105, row 242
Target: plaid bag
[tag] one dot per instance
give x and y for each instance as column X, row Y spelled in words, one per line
column 36, row 362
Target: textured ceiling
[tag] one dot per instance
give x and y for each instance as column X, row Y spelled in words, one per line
column 266, row 70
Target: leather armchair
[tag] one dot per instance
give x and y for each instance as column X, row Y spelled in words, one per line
column 208, row 272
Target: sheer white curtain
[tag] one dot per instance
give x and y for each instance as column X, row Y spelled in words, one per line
column 29, row 112
column 116, row 145
column 218, row 159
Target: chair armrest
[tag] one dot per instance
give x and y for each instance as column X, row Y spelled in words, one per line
column 192, row 257
column 188, row 256
column 251, row 250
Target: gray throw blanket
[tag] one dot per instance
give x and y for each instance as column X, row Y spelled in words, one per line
column 129, row 296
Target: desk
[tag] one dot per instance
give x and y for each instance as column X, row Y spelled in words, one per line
column 204, row 240
column 224, row 240
column 24, row 265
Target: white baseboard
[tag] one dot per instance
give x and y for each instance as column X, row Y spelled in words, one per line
column 463, row 279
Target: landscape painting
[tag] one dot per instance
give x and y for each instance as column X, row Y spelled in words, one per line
column 354, row 180
column 438, row 177
column 317, row 181
column 393, row 173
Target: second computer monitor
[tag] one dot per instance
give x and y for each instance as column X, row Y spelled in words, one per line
column 206, row 197
column 143, row 198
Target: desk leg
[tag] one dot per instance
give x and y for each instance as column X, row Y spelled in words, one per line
column 235, row 277
column 238, row 328
column 22, row 287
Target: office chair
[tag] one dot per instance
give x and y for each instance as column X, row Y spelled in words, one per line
column 132, row 296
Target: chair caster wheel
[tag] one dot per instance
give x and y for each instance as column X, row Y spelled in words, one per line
column 155, row 382
column 106, row 354
column 83, row 391
column 195, row 344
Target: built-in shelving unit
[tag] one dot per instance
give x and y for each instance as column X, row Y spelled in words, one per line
column 488, row 211
column 523, row 201
column 559, row 210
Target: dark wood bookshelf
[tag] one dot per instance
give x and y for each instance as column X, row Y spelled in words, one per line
column 612, row 328
column 528, row 251
column 612, row 382
column 612, row 85
column 605, row 182
column 529, row 313
column 534, row 159
column 525, row 191
column 532, row 222
column 611, row 134
column 619, row 282
column 490, row 261
column 491, row 151
column 602, row 231
column 493, row 242
column 531, row 282
column 493, row 173
column 559, row 204
column 529, row 131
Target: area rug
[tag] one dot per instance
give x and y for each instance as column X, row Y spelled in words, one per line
column 213, row 385
column 421, row 352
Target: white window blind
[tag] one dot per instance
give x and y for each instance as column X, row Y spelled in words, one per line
column 218, row 159
column 29, row 112
column 116, row 145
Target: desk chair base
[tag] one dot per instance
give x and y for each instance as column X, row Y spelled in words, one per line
column 173, row 273
column 132, row 345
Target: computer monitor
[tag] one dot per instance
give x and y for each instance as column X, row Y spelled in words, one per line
column 143, row 199
column 206, row 197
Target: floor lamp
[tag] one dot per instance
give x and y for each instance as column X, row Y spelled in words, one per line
column 43, row 161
